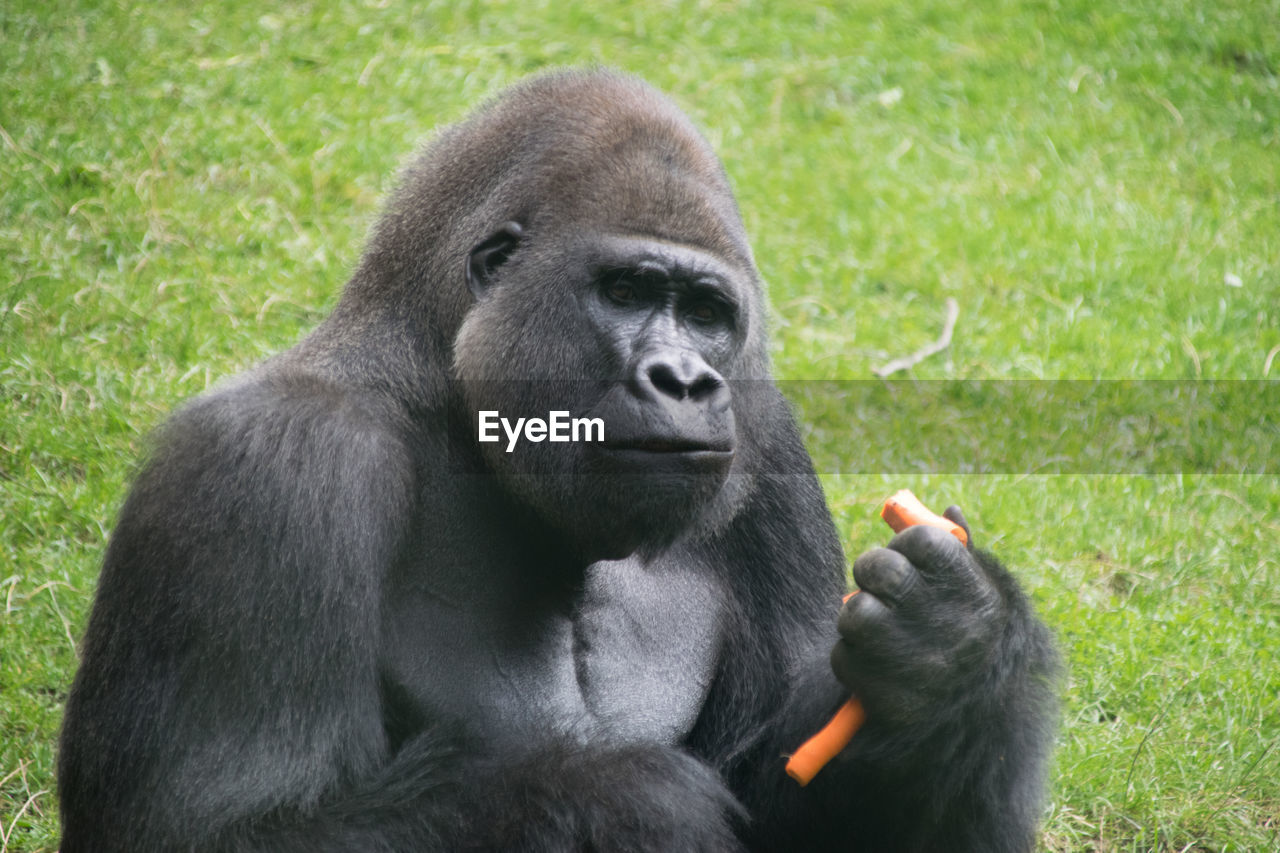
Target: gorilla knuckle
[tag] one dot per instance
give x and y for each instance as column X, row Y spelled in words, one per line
column 861, row 616
column 930, row 549
column 885, row 573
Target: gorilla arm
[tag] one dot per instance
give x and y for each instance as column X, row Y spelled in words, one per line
column 942, row 648
column 229, row 668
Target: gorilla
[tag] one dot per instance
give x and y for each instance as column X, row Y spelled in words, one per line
column 331, row 617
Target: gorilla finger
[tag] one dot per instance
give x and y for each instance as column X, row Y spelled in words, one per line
column 861, row 617
column 844, row 663
column 874, row 666
column 935, row 553
column 953, row 514
column 886, row 574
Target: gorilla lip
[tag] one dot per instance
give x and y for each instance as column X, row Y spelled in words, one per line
column 668, row 445
column 665, row 457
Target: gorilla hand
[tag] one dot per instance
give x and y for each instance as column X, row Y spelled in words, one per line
column 924, row 628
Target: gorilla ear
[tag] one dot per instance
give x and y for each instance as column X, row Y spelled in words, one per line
column 489, row 254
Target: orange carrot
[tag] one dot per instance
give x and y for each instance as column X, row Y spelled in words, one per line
column 813, row 755
column 900, row 511
column 903, row 510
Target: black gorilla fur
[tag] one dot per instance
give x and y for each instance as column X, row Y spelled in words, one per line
column 329, row 619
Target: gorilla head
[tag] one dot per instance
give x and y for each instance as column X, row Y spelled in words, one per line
column 575, row 246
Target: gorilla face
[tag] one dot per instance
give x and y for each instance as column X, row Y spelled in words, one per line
column 637, row 332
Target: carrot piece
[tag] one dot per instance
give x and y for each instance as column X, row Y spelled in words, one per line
column 814, row 753
column 900, row 511
column 903, row 510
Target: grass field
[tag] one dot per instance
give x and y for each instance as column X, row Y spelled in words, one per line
column 184, row 188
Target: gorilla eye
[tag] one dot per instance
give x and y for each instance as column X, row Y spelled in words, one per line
column 704, row 312
column 621, row 292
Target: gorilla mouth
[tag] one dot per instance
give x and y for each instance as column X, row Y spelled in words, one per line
column 664, row 457
column 670, row 445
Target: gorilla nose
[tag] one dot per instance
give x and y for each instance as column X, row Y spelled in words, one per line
column 681, row 377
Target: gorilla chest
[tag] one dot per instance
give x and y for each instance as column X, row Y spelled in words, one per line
column 629, row 658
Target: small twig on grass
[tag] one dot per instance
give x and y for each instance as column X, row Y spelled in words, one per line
column 21, row 768
column 943, row 341
column 1271, row 356
column 13, row 824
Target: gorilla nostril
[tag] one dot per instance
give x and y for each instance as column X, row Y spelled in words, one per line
column 680, row 376
column 664, row 378
column 705, row 385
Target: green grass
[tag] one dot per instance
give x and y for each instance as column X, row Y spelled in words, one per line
column 183, row 189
